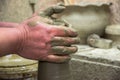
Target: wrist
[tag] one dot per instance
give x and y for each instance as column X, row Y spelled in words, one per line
column 22, row 36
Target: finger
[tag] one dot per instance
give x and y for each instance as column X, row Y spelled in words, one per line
column 63, row 50
column 63, row 31
column 60, row 22
column 64, row 41
column 53, row 10
column 57, row 59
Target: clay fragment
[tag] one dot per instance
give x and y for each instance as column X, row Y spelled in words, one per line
column 94, row 40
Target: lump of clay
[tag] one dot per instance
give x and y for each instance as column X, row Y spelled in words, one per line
column 95, row 41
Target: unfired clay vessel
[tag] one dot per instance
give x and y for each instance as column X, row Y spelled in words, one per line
column 87, row 19
column 16, row 67
column 113, row 33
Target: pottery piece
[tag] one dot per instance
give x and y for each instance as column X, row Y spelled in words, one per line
column 87, row 19
column 95, row 41
column 16, row 67
column 113, row 33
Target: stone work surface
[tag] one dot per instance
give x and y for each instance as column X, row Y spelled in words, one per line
column 96, row 64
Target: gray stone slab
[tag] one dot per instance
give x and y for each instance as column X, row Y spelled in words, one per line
column 96, row 64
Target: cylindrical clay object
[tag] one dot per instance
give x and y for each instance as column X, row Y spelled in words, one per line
column 54, row 71
column 113, row 33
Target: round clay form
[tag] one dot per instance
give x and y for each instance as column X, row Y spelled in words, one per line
column 16, row 67
column 113, row 33
column 87, row 19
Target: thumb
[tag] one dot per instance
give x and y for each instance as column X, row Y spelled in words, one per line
column 52, row 10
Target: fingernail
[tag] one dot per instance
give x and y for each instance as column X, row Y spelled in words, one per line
column 73, row 32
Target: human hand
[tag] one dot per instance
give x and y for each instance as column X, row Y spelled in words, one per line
column 45, row 41
column 35, row 39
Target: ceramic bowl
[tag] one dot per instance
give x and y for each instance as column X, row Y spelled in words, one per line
column 87, row 19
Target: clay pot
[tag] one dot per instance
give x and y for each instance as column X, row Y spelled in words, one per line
column 113, row 33
column 15, row 67
column 87, row 19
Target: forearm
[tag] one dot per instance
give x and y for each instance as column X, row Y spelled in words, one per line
column 8, row 24
column 8, row 40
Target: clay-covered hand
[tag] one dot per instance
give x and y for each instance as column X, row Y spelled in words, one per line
column 34, row 39
column 45, row 42
column 48, row 42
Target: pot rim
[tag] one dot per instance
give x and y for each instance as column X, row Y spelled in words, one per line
column 113, row 29
column 19, row 70
column 87, row 3
column 14, row 60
